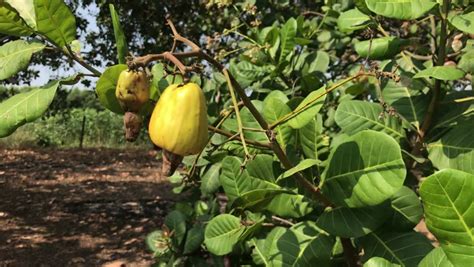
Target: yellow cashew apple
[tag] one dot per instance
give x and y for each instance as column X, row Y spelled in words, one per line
column 133, row 90
column 178, row 123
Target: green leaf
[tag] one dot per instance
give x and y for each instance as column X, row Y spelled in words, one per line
column 379, row 262
column 448, row 201
column 353, row 222
column 365, row 170
column 106, row 85
column 274, row 109
column 11, row 23
column 194, row 239
column 400, row 9
column 467, row 62
column 309, row 63
column 301, row 245
column 236, row 181
column 436, row 258
column 248, row 121
column 446, row 73
column 176, row 223
column 278, row 95
column 222, row 233
column 55, row 21
column 309, row 110
column 287, row 37
column 25, row 107
column 26, row 10
column 210, row 179
column 120, row 39
column 16, row 55
column 258, row 199
column 463, row 22
column 303, row 165
column 354, row 116
column 311, row 139
column 351, row 20
column 403, row 248
column 262, row 247
column 454, row 150
column 408, row 99
column 290, row 205
column 263, row 167
column 406, row 210
column 379, row 48
column 362, row 6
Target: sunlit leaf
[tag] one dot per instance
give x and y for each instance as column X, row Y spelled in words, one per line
column 16, row 55
column 449, row 212
column 25, row 107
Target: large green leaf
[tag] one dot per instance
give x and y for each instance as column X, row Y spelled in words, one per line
column 273, row 109
column 194, row 239
column 290, row 205
column 222, row 233
column 452, row 112
column 351, row 20
column 176, row 223
column 237, row 181
column 464, row 22
column 436, row 258
column 448, row 200
column 408, row 99
column 16, row 55
column 354, row 116
column 301, row 245
column 312, row 141
column 379, row 48
column 353, row 222
column 55, row 21
column 287, row 37
column 403, row 248
column 454, row 150
column 446, row 73
column 400, row 9
column 120, row 39
column 263, row 246
column 263, row 167
column 302, row 165
column 309, row 111
column 26, row 10
column 248, row 121
column 281, row 203
column 365, row 170
column 210, row 180
column 11, row 23
column 105, row 88
column 406, row 210
column 25, row 107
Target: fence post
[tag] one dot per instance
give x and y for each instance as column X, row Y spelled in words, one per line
column 81, row 140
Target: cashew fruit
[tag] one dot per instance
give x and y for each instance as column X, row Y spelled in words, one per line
column 178, row 123
column 133, row 90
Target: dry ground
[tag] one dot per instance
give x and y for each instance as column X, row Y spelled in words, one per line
column 79, row 207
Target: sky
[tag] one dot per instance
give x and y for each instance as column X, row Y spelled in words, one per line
column 46, row 74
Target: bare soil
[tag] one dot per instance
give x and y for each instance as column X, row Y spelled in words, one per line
column 79, row 207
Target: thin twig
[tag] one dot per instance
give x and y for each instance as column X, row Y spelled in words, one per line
column 237, row 113
column 237, row 136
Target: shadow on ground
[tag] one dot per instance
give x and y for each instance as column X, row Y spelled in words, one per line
column 79, row 208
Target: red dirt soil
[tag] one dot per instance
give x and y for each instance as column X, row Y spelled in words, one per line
column 79, row 207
